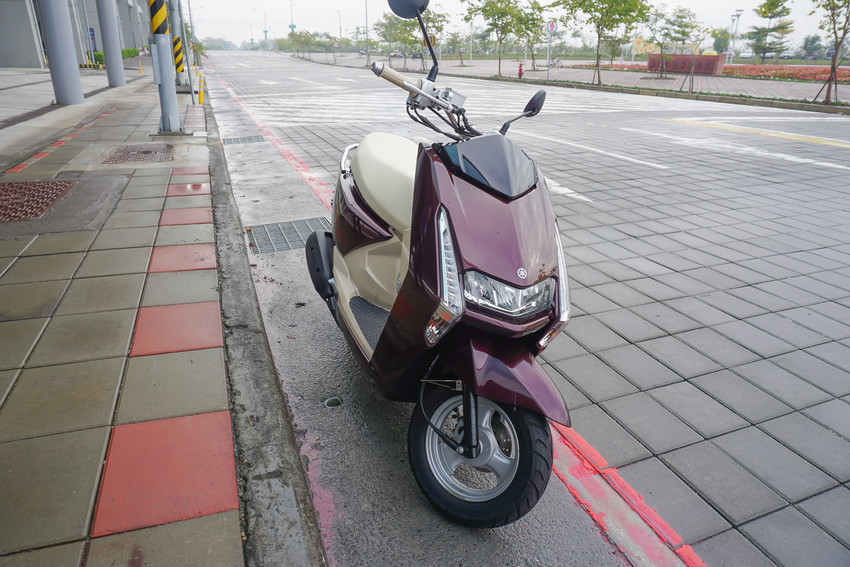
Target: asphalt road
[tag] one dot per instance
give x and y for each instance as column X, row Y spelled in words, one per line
column 662, row 203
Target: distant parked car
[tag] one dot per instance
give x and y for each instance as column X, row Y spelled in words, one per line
column 709, row 52
column 829, row 53
column 788, row 55
column 810, row 56
column 745, row 55
column 396, row 54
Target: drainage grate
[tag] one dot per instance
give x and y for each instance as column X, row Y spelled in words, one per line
column 23, row 200
column 147, row 152
column 243, row 140
column 280, row 236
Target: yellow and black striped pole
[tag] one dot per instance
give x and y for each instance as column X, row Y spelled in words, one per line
column 159, row 19
column 178, row 54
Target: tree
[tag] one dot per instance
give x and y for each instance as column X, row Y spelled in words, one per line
column 530, row 27
column 836, row 22
column 812, row 44
column 771, row 38
column 683, row 24
column 396, row 32
column 660, row 32
column 500, row 16
column 722, row 38
column 606, row 17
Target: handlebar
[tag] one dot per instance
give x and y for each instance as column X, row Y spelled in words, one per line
column 389, row 74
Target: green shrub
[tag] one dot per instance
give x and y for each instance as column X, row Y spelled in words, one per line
column 98, row 57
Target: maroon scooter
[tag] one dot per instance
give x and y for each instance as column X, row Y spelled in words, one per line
column 446, row 275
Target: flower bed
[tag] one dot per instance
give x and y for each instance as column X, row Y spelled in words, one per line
column 785, row 72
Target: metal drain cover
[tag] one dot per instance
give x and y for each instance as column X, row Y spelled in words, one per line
column 144, row 153
column 280, row 236
column 243, row 140
column 23, row 200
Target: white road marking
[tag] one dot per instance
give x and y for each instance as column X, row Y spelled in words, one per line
column 718, row 145
column 556, row 187
column 590, row 149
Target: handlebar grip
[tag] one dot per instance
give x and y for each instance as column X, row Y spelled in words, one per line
column 387, row 73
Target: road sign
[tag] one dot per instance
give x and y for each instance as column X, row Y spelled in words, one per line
column 336, row 45
column 432, row 38
column 292, row 27
column 552, row 27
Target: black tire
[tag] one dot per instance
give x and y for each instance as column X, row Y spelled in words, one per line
column 522, row 437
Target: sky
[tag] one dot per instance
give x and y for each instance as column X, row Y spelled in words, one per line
column 216, row 18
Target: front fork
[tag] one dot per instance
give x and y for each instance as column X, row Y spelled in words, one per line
column 468, row 447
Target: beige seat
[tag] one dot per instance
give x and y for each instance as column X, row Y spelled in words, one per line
column 384, row 166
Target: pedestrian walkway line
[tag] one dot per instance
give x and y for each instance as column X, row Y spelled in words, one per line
column 763, row 132
column 590, row 149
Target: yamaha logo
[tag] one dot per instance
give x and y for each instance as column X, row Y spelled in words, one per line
column 522, row 273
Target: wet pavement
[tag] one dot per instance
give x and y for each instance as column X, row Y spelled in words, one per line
column 706, row 363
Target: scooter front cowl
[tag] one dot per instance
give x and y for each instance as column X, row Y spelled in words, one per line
column 503, row 370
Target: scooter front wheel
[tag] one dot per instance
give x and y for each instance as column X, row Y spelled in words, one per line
column 502, row 483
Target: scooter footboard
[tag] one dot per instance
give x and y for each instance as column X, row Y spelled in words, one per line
column 504, row 370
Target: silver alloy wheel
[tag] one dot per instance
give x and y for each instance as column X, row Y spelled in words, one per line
column 492, row 471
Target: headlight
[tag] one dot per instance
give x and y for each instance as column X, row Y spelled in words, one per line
column 492, row 294
column 563, row 296
column 451, row 302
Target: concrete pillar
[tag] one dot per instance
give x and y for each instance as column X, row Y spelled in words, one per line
column 177, row 46
column 59, row 37
column 107, row 15
column 164, row 67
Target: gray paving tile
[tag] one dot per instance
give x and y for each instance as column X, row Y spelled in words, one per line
column 172, row 385
column 60, row 243
column 145, row 191
column 814, row 441
column 792, row 293
column 834, row 414
column 617, row 446
column 654, row 426
column 571, row 395
column 675, row 354
column 774, row 464
column 732, row 305
column 42, row 268
column 561, row 347
column 629, row 325
column 817, row 287
column 792, row 539
column 169, row 288
column 90, row 336
column 812, row 369
column 68, row 555
column 639, row 368
column 133, row 220
column 48, row 486
column 697, row 409
column 787, row 330
column 125, row 238
column 30, row 300
column 731, row 549
column 834, row 353
column 752, row 338
column 792, row 390
column 109, row 293
column 64, row 398
column 829, row 510
column 115, row 262
column 684, row 283
column 680, row 507
column 743, row 397
column 717, row 347
column 699, row 311
column 733, row 491
column 185, row 234
column 594, row 378
column 666, row 318
column 822, row 323
column 761, row 298
column 593, row 335
column 11, row 246
column 208, row 540
column 655, row 289
column 18, row 338
column 187, row 202
column 587, row 275
column 589, row 301
column 622, row 294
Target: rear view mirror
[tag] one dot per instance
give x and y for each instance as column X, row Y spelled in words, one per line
column 535, row 104
column 408, row 9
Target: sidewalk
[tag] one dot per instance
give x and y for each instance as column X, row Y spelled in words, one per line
column 756, row 88
column 115, row 430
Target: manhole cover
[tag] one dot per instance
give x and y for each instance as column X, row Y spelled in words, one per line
column 243, row 140
column 280, row 236
column 146, row 152
column 23, row 200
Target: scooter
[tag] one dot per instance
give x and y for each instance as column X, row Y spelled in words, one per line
column 446, row 275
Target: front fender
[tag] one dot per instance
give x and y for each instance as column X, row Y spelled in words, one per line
column 503, row 370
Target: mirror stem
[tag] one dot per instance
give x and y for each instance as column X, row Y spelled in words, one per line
column 432, row 75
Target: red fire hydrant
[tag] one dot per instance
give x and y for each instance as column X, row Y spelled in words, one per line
column 519, row 74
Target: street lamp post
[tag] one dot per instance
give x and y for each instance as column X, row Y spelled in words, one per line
column 368, row 59
column 733, row 31
column 340, row 24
